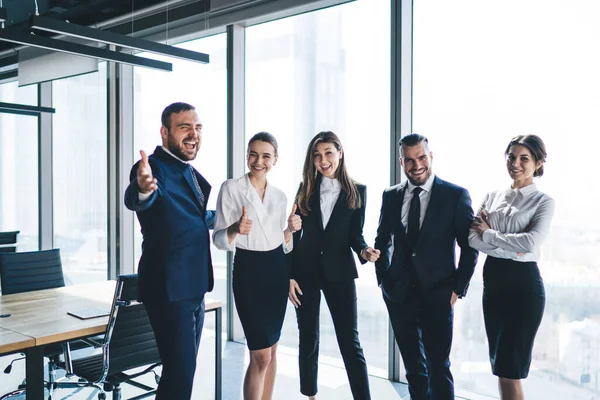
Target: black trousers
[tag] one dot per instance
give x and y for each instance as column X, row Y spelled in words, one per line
column 341, row 300
column 177, row 327
column 423, row 332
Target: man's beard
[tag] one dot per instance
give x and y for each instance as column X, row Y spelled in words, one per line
column 418, row 183
column 178, row 149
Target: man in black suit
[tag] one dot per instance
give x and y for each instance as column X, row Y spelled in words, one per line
column 175, row 271
column 423, row 219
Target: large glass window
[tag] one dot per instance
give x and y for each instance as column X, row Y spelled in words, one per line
column 311, row 73
column 205, row 87
column 482, row 74
column 79, row 150
column 19, row 168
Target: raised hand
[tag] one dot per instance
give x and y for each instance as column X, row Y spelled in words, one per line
column 146, row 182
column 370, row 254
column 294, row 221
column 294, row 292
column 244, row 225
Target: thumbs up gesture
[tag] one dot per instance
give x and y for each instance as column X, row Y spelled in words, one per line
column 244, row 224
column 294, row 221
column 146, row 182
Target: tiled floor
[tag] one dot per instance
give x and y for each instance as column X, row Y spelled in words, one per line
column 333, row 383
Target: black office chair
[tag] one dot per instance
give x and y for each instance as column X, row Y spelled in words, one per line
column 35, row 270
column 128, row 343
column 8, row 241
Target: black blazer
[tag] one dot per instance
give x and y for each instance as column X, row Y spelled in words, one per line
column 446, row 222
column 176, row 263
column 329, row 249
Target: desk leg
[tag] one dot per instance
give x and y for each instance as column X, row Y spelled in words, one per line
column 218, row 352
column 34, row 373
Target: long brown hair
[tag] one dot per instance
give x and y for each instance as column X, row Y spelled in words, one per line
column 310, row 174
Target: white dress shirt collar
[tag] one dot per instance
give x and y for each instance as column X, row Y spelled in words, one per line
column 426, row 186
column 173, row 155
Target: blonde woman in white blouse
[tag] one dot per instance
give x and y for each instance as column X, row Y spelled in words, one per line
column 251, row 219
column 510, row 228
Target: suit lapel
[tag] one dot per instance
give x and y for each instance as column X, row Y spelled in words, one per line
column 315, row 204
column 187, row 174
column 398, row 214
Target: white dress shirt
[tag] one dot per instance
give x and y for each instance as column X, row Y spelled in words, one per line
column 519, row 221
column 424, row 196
column 330, row 192
column 269, row 217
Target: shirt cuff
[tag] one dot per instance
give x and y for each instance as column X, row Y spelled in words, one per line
column 488, row 235
column 144, row 196
column 221, row 242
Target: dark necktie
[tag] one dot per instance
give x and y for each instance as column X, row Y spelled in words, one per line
column 200, row 194
column 414, row 217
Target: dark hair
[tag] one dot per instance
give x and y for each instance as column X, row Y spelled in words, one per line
column 411, row 140
column 174, row 108
column 536, row 147
column 264, row 137
column 310, row 174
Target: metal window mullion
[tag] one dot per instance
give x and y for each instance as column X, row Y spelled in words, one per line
column 400, row 124
column 235, row 145
column 45, row 177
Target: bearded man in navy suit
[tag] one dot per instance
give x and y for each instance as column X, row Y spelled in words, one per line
column 175, row 271
column 422, row 220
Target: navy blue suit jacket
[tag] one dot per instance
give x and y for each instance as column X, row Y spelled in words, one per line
column 446, row 222
column 176, row 263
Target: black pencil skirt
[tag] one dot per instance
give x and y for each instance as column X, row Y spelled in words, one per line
column 513, row 306
column 260, row 288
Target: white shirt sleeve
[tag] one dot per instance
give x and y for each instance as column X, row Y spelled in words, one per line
column 223, row 219
column 525, row 242
column 144, row 196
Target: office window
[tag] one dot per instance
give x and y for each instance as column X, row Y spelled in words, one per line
column 19, row 168
column 484, row 73
column 205, row 87
column 79, row 156
column 311, row 73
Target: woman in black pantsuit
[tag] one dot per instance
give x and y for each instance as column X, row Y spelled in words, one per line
column 510, row 228
column 332, row 207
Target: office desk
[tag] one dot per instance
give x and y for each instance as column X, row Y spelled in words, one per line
column 11, row 342
column 42, row 316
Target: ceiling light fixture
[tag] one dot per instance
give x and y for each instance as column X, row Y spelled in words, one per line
column 84, row 32
column 81, row 50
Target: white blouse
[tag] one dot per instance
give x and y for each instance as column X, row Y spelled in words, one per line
column 519, row 221
column 330, row 192
column 269, row 217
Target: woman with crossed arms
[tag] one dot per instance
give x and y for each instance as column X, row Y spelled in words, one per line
column 250, row 218
column 332, row 207
column 510, row 228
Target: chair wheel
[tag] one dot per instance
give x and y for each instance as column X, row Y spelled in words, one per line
column 101, row 396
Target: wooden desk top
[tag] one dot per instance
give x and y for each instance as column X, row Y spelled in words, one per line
column 43, row 314
column 11, row 342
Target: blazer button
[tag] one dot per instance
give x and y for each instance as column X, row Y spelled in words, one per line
column 321, row 252
column 414, row 254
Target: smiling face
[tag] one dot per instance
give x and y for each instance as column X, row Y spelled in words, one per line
column 184, row 135
column 416, row 161
column 261, row 158
column 521, row 165
column 326, row 158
